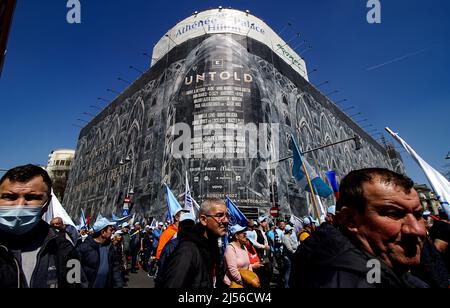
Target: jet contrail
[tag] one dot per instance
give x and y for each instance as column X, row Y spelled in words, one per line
column 398, row 59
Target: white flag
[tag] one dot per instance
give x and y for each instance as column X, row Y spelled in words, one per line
column 439, row 183
column 55, row 209
column 188, row 201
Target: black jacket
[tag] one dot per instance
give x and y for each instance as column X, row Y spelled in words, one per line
column 52, row 260
column 90, row 261
column 328, row 259
column 193, row 263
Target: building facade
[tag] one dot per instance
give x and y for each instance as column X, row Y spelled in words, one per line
column 218, row 106
column 58, row 168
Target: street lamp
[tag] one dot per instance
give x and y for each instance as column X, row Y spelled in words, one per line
column 332, row 92
column 130, row 191
column 348, row 108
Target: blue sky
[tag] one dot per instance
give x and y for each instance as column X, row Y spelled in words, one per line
column 54, row 70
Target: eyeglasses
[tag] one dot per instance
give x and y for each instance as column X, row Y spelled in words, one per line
column 219, row 216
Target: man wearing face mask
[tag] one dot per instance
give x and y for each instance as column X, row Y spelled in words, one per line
column 32, row 255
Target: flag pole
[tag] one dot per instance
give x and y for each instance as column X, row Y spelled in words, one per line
column 316, row 209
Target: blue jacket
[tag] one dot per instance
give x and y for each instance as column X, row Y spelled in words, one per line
column 90, row 261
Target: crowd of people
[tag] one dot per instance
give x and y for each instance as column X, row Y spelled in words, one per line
column 376, row 236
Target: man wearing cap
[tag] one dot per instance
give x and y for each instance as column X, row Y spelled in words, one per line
column 378, row 241
column 98, row 260
column 263, row 249
column 289, row 248
column 32, row 255
column 308, row 228
column 331, row 213
column 187, row 221
column 195, row 263
column 156, row 235
column 135, row 245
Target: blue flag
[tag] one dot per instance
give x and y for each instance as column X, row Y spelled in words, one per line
column 119, row 219
column 172, row 204
column 236, row 216
column 320, row 188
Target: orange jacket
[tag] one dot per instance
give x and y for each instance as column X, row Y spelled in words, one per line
column 164, row 238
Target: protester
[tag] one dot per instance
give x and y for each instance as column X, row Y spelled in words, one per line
column 195, row 262
column 380, row 228
column 330, row 217
column 156, row 235
column 236, row 256
column 169, row 232
column 99, row 259
column 126, row 240
column 135, row 246
column 28, row 245
column 117, row 245
column 146, row 243
column 187, row 221
column 308, row 228
column 263, row 249
column 289, row 248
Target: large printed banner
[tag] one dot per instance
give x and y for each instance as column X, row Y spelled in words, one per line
column 228, row 21
column 218, row 98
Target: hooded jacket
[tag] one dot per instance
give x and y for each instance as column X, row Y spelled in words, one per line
column 328, row 259
column 193, row 263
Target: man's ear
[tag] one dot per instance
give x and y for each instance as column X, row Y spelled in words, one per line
column 347, row 218
column 46, row 205
column 202, row 220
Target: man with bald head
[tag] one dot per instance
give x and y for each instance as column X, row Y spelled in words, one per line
column 195, row 262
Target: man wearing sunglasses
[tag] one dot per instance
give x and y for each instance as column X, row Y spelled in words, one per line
column 195, row 262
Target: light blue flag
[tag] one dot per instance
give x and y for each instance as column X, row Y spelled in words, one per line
column 172, row 204
column 119, row 219
column 83, row 219
column 320, row 188
column 236, row 216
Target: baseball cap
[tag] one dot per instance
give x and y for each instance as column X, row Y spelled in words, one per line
column 181, row 210
column 332, row 210
column 125, row 225
column 101, row 224
column 160, row 223
column 306, row 221
column 187, row 216
column 236, row 229
column 262, row 218
column 287, row 228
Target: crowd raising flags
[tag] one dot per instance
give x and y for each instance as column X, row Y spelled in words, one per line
column 439, row 183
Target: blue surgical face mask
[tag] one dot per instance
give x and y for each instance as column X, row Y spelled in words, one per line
column 19, row 219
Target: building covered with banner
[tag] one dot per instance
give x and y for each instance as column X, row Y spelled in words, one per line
column 218, row 105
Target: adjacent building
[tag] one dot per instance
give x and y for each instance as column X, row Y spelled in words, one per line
column 58, row 168
column 218, row 106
